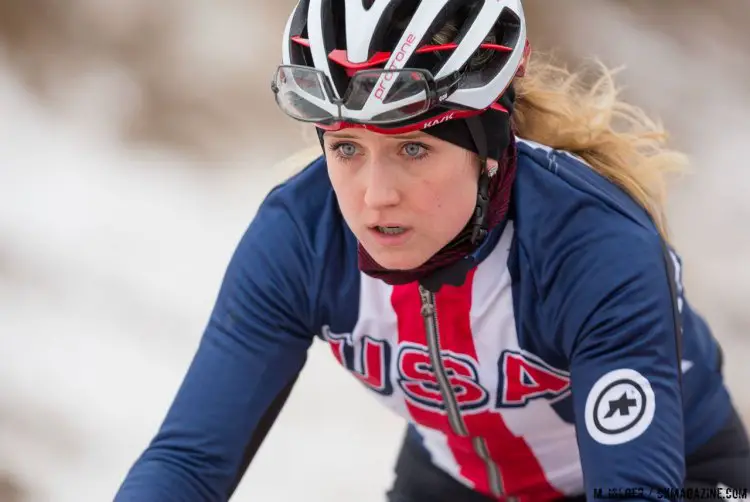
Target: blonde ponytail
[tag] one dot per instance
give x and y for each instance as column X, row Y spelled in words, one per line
column 571, row 111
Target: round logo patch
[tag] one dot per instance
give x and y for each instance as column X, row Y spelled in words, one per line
column 620, row 407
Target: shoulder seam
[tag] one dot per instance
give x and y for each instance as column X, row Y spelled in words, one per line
column 554, row 154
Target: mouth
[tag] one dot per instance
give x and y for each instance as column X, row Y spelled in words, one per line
column 390, row 234
column 389, row 229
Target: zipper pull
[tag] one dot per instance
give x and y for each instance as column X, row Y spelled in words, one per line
column 428, row 307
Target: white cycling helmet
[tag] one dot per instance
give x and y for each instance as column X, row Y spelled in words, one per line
column 377, row 62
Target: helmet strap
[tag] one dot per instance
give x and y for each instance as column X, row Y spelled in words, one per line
column 479, row 218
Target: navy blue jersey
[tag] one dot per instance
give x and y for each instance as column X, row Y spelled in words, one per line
column 568, row 360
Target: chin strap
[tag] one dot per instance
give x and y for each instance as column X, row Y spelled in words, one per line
column 479, row 219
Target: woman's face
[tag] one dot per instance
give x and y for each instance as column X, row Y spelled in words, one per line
column 404, row 196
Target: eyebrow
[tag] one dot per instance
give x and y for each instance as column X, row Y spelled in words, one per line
column 411, row 135
column 340, row 135
column 400, row 137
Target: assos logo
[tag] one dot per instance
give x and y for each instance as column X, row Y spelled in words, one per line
column 405, row 49
column 437, row 121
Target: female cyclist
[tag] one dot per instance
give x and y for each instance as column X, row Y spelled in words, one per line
column 483, row 246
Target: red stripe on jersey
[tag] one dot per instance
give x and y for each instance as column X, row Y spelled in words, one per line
column 521, row 472
column 411, row 331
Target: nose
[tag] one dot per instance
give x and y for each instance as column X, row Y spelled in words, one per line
column 382, row 188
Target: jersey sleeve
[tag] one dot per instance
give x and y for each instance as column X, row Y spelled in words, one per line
column 615, row 313
column 252, row 349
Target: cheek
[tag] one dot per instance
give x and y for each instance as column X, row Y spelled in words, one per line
column 451, row 203
column 345, row 187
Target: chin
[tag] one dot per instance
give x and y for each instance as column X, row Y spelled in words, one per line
column 398, row 260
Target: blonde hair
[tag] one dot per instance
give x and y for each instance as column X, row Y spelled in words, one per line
column 569, row 111
column 581, row 113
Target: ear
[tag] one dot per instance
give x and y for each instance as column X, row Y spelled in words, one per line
column 525, row 60
column 492, row 166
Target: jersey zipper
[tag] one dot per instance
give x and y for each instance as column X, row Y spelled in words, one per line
column 429, row 313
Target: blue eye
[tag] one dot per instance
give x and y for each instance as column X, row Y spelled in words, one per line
column 343, row 151
column 415, row 151
column 347, row 149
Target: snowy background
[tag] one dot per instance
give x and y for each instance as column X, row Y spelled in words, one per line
column 137, row 142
